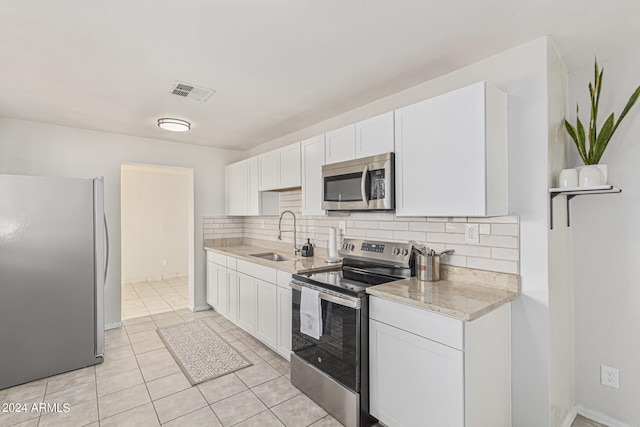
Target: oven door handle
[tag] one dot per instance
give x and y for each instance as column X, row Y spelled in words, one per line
column 340, row 300
column 363, row 185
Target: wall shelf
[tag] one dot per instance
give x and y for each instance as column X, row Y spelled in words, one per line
column 572, row 192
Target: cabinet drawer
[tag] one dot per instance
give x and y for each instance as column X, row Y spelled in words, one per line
column 283, row 279
column 261, row 272
column 436, row 327
column 231, row 263
column 216, row 257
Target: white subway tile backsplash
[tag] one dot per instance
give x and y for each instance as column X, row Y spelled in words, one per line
column 498, row 241
column 427, row 226
column 504, row 229
column 493, row 265
column 454, row 227
column 445, row 237
column 388, row 225
column 505, row 254
column 469, row 250
column 497, row 251
column 380, row 234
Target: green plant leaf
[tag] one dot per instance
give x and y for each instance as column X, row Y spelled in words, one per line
column 582, row 140
column 574, row 136
column 603, row 139
column 630, row 103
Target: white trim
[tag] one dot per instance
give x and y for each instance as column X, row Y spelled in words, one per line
column 113, row 326
column 570, row 418
column 199, row 308
column 600, row 417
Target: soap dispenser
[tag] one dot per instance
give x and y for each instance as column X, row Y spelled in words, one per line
column 307, row 249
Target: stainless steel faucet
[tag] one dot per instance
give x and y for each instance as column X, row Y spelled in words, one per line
column 295, row 248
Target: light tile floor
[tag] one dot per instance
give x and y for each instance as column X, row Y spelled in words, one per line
column 147, row 298
column 140, row 384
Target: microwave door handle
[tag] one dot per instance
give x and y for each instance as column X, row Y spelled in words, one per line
column 363, row 185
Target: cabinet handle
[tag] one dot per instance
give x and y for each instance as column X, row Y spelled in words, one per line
column 363, row 185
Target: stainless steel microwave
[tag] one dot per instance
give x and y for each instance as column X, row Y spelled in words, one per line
column 360, row 184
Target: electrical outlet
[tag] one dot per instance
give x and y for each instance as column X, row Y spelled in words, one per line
column 164, row 262
column 471, row 233
column 609, row 376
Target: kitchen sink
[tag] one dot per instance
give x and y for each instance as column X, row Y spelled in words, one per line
column 270, row 256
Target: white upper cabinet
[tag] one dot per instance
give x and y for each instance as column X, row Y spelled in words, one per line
column 451, row 154
column 312, row 153
column 242, row 195
column 236, row 178
column 340, row 144
column 280, row 169
column 366, row 138
column 268, row 170
column 375, row 136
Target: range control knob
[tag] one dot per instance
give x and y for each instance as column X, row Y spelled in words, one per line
column 405, row 252
column 351, row 246
column 395, row 251
column 344, row 246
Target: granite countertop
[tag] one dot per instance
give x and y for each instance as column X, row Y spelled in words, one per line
column 464, row 293
column 294, row 264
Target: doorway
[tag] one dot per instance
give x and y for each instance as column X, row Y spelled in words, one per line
column 157, row 234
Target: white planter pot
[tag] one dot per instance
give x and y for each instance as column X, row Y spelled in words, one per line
column 590, row 176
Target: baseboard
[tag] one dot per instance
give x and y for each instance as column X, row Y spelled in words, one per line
column 571, row 416
column 199, row 308
column 113, row 326
column 600, row 417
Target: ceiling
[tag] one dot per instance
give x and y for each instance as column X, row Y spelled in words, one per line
column 277, row 66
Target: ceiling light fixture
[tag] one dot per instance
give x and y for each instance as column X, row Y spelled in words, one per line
column 174, row 125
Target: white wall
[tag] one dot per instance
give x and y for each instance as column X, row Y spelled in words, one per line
column 606, row 249
column 41, row 149
column 561, row 324
column 155, row 216
column 522, row 73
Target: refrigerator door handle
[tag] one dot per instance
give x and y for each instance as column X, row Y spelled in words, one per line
column 106, row 235
column 100, row 236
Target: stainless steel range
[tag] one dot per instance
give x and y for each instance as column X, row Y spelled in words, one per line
column 333, row 367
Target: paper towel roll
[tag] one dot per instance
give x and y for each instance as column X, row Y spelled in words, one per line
column 333, row 250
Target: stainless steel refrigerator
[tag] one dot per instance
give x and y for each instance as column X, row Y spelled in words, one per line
column 53, row 260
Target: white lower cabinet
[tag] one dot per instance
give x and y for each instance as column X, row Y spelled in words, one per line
column 283, row 302
column 232, row 295
column 266, row 312
column 255, row 297
column 247, row 302
column 432, row 370
column 216, row 285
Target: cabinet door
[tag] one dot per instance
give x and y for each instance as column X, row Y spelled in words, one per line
column 312, row 160
column 253, row 188
column 427, row 388
column 451, row 155
column 236, row 188
column 340, row 144
column 268, row 170
column 266, row 318
column 289, row 166
column 284, row 321
column 212, row 284
column 375, row 135
column 232, row 295
column 221, row 306
column 247, row 302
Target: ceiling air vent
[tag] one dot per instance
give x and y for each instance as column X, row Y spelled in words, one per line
column 185, row 90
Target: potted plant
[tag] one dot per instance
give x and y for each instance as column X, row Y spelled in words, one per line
column 598, row 139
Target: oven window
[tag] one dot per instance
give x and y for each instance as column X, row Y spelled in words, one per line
column 336, row 353
column 343, row 188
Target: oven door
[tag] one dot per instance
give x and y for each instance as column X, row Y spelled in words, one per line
column 337, row 352
column 361, row 184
